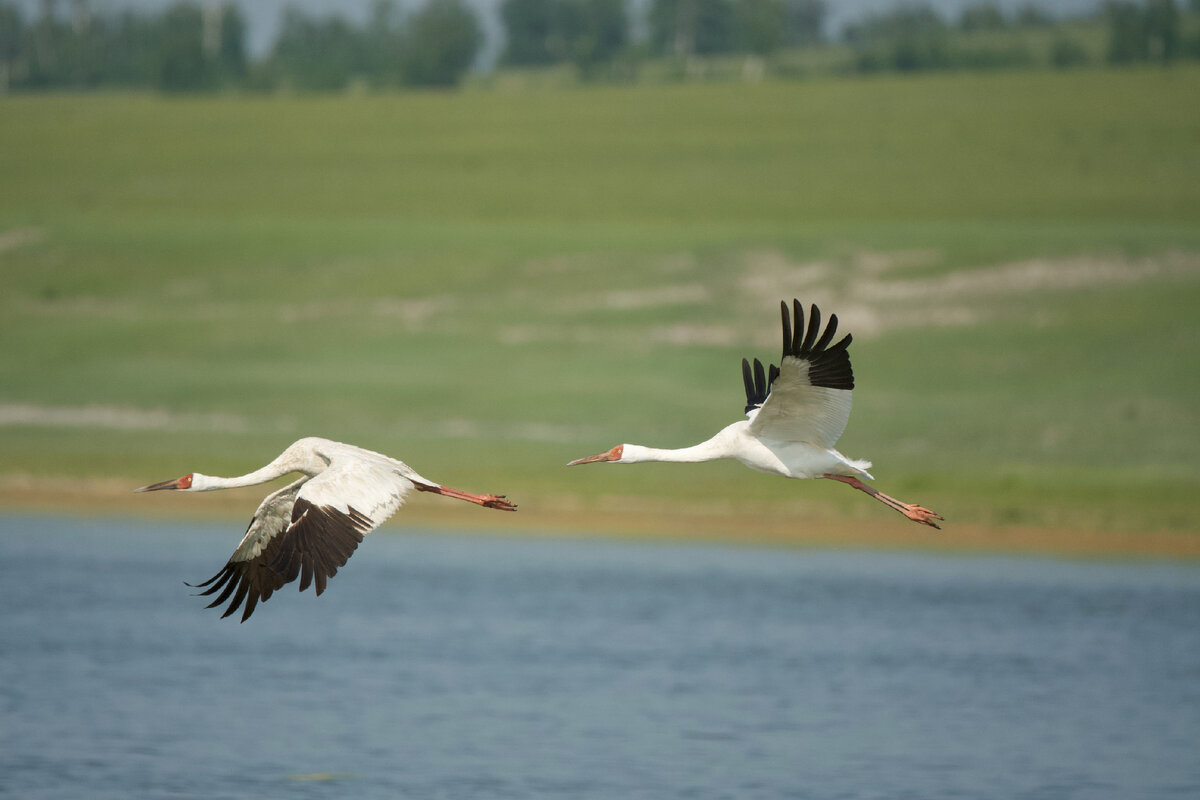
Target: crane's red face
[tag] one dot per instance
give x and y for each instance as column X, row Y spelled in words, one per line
column 607, row 455
column 179, row 483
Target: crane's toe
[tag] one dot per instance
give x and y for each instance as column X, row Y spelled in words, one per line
column 924, row 516
column 499, row 501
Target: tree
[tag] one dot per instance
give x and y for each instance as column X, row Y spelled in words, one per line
column 182, row 66
column 10, row 43
column 440, row 42
column 588, row 33
column 692, row 27
column 761, row 25
column 317, row 55
column 1030, row 16
column 981, row 17
column 600, row 35
column 129, row 50
column 1162, row 30
column 47, row 41
column 1126, row 33
column 908, row 39
column 1066, row 52
column 382, row 57
column 528, row 25
column 231, row 50
column 1138, row 33
column 805, row 21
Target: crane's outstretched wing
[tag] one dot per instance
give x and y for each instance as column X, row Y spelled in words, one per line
column 310, row 528
column 247, row 575
column 356, row 494
column 807, row 398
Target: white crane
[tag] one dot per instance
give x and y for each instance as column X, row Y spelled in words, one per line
column 310, row 528
column 795, row 414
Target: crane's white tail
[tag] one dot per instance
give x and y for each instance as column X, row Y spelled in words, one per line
column 859, row 466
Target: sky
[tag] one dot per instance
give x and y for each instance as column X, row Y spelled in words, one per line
column 262, row 16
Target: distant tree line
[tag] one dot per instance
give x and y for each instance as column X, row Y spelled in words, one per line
column 915, row 38
column 590, row 33
column 195, row 46
column 200, row 47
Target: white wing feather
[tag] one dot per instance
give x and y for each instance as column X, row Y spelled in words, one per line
column 797, row 411
column 371, row 483
column 272, row 518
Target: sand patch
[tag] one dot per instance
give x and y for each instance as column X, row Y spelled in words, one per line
column 81, row 306
column 634, row 299
column 19, row 237
column 414, row 313
column 117, row 418
column 1035, row 275
column 870, row 301
column 559, row 265
column 684, row 335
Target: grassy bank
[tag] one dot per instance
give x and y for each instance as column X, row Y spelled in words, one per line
column 490, row 284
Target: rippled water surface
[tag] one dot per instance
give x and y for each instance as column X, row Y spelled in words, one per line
column 448, row 666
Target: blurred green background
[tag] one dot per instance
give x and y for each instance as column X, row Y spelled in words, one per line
column 487, row 284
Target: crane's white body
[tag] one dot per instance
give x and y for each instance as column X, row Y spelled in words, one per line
column 311, row 527
column 762, row 453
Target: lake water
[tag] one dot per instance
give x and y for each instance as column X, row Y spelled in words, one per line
column 458, row 666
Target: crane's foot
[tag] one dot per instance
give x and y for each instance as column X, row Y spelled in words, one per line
column 498, row 501
column 921, row 514
column 914, row 512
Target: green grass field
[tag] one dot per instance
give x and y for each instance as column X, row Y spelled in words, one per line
column 488, row 284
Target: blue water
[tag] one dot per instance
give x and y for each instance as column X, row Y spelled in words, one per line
column 455, row 666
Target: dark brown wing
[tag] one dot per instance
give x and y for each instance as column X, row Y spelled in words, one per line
column 247, row 576
column 251, row 581
column 319, row 541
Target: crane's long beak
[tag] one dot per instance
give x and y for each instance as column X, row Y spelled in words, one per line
column 607, row 455
column 154, row 487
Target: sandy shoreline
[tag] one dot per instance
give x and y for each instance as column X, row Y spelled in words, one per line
column 114, row 498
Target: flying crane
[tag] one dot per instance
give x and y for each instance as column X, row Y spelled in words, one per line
column 311, row 527
column 795, row 414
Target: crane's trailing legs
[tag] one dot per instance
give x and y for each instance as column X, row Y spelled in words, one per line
column 915, row 513
column 486, row 500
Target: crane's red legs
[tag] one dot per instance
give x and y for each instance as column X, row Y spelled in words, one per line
column 915, row 513
column 487, row 500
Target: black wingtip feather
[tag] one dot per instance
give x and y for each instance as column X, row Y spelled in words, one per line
column 223, row 596
column 224, row 575
column 830, row 330
column 814, row 327
column 797, row 331
column 758, row 383
column 787, row 325
column 251, row 603
column 236, row 602
column 306, row 574
column 828, row 366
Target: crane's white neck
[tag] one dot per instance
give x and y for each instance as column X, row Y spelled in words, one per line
column 705, row 451
column 209, row 483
